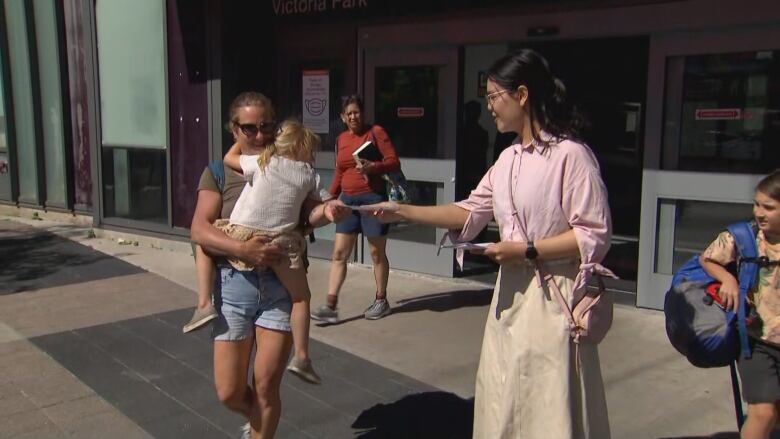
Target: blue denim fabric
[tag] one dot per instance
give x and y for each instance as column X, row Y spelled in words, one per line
column 247, row 298
column 356, row 222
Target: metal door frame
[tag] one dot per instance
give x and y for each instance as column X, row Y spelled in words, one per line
column 407, row 255
column 658, row 184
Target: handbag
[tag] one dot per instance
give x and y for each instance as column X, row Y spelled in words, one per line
column 396, row 185
column 591, row 317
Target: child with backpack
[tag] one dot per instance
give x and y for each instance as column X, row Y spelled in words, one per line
column 279, row 180
column 760, row 374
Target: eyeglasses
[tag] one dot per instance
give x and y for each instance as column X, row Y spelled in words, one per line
column 491, row 97
column 251, row 130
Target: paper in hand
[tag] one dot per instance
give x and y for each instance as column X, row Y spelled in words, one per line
column 385, row 206
column 468, row 245
column 366, row 208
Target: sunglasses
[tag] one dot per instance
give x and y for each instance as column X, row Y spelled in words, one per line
column 251, row 130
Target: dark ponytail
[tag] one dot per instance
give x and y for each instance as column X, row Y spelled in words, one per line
column 547, row 102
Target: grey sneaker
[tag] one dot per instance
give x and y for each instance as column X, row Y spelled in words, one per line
column 304, row 370
column 325, row 314
column 377, row 310
column 246, row 431
column 200, row 317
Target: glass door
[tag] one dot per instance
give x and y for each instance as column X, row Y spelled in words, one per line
column 6, row 192
column 713, row 130
column 413, row 95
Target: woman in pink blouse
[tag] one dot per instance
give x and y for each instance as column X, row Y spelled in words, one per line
column 546, row 194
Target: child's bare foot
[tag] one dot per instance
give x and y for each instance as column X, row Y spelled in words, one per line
column 200, row 318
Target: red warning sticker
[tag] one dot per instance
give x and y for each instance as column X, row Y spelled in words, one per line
column 410, row 112
column 718, row 114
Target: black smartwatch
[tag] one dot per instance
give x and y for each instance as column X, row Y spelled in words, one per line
column 530, row 251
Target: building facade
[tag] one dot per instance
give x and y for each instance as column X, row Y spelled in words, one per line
column 112, row 108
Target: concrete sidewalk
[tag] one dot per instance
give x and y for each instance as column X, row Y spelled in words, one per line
column 122, row 305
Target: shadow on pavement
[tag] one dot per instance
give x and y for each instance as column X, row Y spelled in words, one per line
column 730, row 435
column 439, row 302
column 722, row 435
column 429, row 415
column 33, row 259
column 442, row 302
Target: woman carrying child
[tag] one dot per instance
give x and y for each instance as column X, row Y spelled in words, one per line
column 279, row 180
column 253, row 306
column 760, row 374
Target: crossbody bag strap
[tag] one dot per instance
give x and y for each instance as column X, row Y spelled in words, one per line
column 550, row 281
column 541, row 274
column 574, row 332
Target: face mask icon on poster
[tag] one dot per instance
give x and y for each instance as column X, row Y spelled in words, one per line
column 315, row 107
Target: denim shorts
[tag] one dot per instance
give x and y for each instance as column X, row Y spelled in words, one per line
column 356, row 222
column 247, row 298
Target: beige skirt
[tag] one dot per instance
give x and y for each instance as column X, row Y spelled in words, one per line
column 292, row 243
column 527, row 384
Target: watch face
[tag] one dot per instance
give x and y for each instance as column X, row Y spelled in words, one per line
column 530, row 251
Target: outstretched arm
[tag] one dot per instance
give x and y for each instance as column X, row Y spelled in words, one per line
column 319, row 213
column 447, row 216
column 233, row 157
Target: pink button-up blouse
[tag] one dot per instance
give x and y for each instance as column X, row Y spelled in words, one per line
column 554, row 189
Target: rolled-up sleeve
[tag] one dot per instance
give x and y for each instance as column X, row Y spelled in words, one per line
column 587, row 211
column 723, row 250
column 480, row 207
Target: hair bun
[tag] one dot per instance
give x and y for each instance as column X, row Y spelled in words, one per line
column 559, row 90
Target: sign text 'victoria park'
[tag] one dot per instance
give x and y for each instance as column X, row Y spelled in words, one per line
column 299, row 7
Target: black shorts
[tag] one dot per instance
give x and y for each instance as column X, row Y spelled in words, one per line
column 760, row 375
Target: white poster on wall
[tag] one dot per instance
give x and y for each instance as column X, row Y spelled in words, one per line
column 316, row 89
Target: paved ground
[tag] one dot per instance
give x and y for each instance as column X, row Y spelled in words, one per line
column 90, row 346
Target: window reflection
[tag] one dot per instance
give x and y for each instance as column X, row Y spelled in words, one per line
column 729, row 114
column 424, row 194
column 135, row 184
column 695, row 225
column 407, row 102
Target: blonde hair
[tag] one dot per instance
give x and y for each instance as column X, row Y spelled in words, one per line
column 293, row 140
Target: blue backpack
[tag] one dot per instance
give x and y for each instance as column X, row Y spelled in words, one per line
column 217, row 168
column 708, row 335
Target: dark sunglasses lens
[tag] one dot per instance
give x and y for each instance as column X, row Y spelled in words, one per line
column 248, row 129
column 267, row 127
